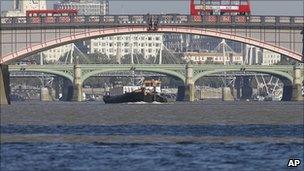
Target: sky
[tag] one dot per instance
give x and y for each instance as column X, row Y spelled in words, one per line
column 259, row 7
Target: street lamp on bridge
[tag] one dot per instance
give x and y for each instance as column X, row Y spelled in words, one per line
column 302, row 32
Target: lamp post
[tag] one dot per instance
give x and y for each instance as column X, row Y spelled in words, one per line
column 302, row 32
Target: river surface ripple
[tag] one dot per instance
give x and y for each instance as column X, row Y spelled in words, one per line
column 208, row 135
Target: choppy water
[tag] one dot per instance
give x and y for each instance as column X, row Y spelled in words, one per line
column 168, row 130
column 199, row 137
column 161, row 156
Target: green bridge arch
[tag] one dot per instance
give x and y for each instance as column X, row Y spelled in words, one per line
column 155, row 70
column 49, row 71
column 271, row 72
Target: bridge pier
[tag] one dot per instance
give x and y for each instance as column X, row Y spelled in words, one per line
column 4, row 85
column 297, row 84
column 67, row 90
column 238, row 88
column 243, row 88
column 227, row 94
column 45, row 94
column 189, row 89
column 287, row 89
column 287, row 93
column 77, row 84
column 246, row 89
column 56, row 87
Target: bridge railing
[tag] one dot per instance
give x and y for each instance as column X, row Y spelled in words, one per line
column 167, row 19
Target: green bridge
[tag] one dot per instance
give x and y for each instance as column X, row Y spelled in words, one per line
column 188, row 73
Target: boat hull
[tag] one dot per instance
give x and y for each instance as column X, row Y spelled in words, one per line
column 134, row 97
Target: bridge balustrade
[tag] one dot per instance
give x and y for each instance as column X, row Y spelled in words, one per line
column 210, row 19
column 64, row 19
column 122, row 19
column 93, row 19
column 255, row 19
column 240, row 19
column 49, row 20
column 298, row 20
column 162, row 19
column 137, row 19
column 182, row 18
column 79, row 19
column 284, row 20
column 108, row 19
column 225, row 19
column 271, row 19
column 19, row 20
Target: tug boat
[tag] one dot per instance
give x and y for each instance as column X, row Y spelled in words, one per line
column 149, row 92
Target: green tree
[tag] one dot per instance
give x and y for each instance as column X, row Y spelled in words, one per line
column 209, row 61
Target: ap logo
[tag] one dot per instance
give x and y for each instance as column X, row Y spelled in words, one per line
column 294, row 162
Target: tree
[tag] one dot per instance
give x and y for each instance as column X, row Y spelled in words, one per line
column 99, row 58
column 286, row 61
column 209, row 61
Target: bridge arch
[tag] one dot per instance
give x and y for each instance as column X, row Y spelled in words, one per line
column 95, row 33
column 54, row 72
column 161, row 71
column 280, row 74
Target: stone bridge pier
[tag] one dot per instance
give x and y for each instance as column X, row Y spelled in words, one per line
column 297, row 84
column 4, row 85
column 190, row 89
column 77, row 84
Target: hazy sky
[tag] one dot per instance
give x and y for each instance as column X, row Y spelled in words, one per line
column 259, row 7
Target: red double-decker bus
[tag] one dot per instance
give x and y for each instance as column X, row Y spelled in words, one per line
column 219, row 7
column 49, row 16
column 50, row 13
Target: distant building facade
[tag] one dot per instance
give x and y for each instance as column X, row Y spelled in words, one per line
column 195, row 43
column 53, row 55
column 213, row 57
column 270, row 58
column 149, row 45
column 85, row 7
column 21, row 6
column 257, row 56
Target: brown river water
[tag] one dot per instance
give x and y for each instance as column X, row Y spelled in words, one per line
column 206, row 135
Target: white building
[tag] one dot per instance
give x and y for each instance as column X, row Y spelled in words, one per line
column 85, row 7
column 12, row 13
column 32, row 5
column 148, row 45
column 259, row 56
column 215, row 57
column 21, row 6
column 270, row 58
column 53, row 55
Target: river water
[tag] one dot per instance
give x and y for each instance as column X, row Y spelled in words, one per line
column 208, row 135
